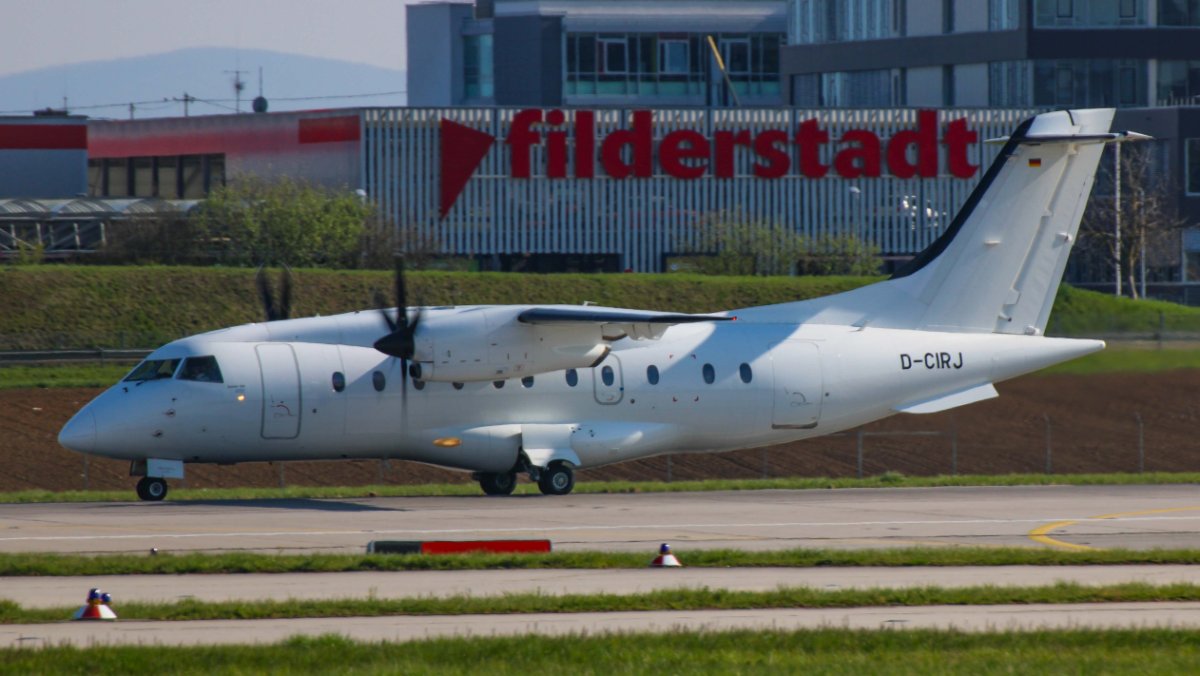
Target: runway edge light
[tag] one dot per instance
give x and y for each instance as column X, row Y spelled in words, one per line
column 665, row 558
column 96, row 608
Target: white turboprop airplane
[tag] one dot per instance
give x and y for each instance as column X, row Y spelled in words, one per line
column 502, row 390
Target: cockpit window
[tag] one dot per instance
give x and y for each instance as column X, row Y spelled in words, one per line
column 153, row 369
column 202, row 369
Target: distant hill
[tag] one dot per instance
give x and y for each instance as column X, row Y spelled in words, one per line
column 201, row 72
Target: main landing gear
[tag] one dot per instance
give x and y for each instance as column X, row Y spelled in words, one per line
column 557, row 479
column 151, row 489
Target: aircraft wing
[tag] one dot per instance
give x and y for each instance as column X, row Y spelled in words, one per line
column 616, row 322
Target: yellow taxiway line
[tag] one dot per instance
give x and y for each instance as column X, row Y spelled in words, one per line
column 1041, row 533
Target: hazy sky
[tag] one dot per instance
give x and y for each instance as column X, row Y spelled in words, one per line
column 40, row 33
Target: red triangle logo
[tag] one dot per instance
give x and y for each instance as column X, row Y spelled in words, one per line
column 463, row 148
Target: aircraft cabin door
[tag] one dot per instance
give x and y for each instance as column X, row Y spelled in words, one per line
column 281, row 391
column 608, row 382
column 799, row 386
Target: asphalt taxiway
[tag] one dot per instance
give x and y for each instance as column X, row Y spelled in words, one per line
column 1067, row 517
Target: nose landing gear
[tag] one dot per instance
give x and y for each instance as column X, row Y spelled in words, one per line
column 151, row 489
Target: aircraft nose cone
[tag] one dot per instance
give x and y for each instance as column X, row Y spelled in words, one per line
column 79, row 434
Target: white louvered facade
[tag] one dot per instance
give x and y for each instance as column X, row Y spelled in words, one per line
column 643, row 220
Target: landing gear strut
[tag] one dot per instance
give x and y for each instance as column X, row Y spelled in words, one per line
column 151, row 489
column 557, row 479
column 498, row 484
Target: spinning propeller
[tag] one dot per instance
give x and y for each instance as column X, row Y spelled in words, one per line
column 399, row 342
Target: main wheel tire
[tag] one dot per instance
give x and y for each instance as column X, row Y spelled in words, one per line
column 152, row 489
column 557, row 479
column 503, row 483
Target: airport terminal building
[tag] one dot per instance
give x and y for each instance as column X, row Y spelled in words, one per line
column 579, row 188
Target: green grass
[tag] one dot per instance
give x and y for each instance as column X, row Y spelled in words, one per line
column 132, row 306
column 670, row 599
column 1120, row 359
column 817, row 652
column 886, row 480
column 61, row 375
column 47, row 564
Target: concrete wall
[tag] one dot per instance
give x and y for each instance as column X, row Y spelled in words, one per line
column 435, row 53
column 528, row 60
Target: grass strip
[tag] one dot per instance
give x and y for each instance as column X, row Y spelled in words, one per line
column 50, row 565
column 818, row 652
column 885, row 480
column 61, row 375
column 670, row 599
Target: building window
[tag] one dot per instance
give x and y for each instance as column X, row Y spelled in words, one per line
column 1008, row 84
column 478, row 78
column 673, row 57
column 1177, row 81
column 1002, row 15
column 1071, row 14
column 1090, row 83
column 818, row 21
column 671, row 65
column 1191, row 151
column 947, row 86
column 709, row 373
column 1179, row 12
column 613, row 56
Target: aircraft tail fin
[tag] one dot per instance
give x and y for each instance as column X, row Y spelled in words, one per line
column 997, row 267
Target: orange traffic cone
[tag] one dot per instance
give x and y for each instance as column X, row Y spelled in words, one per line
column 96, row 607
column 665, row 558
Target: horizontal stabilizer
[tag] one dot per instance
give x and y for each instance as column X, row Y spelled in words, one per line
column 946, row 402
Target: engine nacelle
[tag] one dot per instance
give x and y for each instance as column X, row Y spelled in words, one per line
column 480, row 344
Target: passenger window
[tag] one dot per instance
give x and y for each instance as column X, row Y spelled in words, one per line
column 457, row 386
column 527, row 382
column 339, row 381
column 418, row 384
column 155, row 369
column 572, row 377
column 201, row 369
column 746, row 373
column 378, row 380
column 498, row 384
column 606, row 374
column 710, row 374
column 652, row 374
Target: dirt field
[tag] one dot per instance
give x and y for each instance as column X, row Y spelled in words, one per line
column 1091, row 422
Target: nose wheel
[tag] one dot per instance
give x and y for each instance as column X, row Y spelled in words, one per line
column 152, row 489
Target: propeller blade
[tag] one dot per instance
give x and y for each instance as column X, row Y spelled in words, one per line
column 398, row 344
column 381, row 302
column 285, row 294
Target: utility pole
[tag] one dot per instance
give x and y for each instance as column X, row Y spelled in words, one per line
column 131, row 110
column 185, row 100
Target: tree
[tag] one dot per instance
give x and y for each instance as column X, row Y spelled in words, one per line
column 283, row 221
column 1150, row 221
